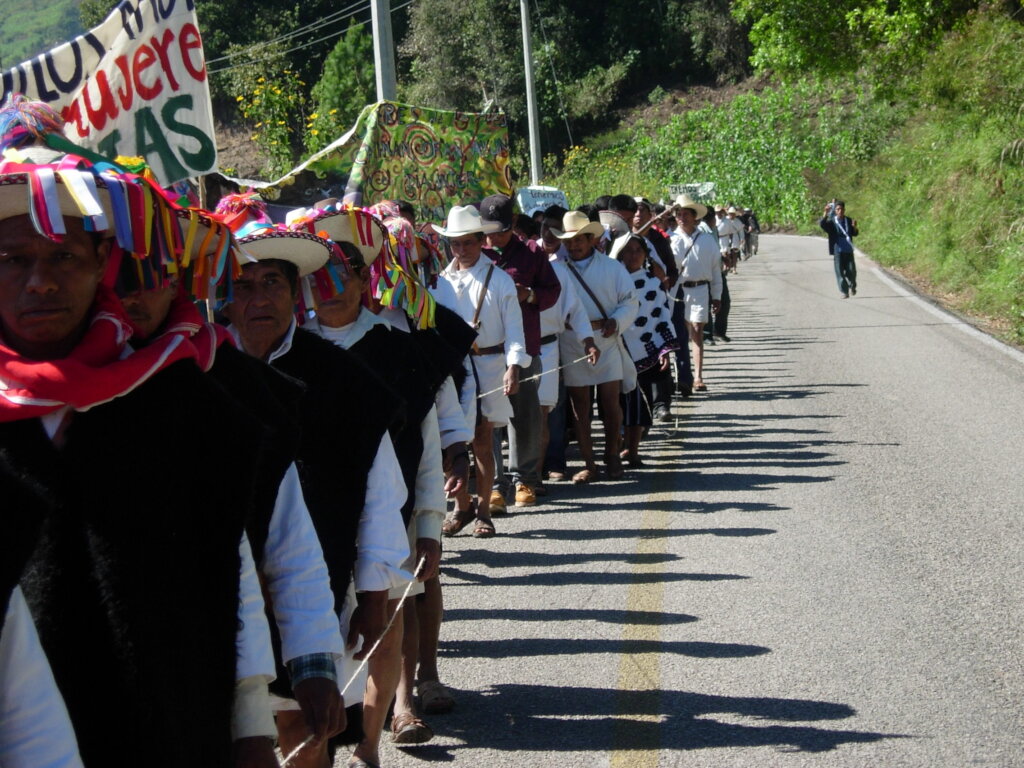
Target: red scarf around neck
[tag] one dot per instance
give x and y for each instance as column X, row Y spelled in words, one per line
column 183, row 319
column 94, row 373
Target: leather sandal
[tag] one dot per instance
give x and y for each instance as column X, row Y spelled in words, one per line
column 457, row 520
column 406, row 728
column 484, row 529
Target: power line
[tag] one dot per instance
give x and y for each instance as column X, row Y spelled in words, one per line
column 305, row 45
column 311, row 27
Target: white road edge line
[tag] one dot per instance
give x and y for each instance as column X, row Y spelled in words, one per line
column 950, row 319
column 947, row 317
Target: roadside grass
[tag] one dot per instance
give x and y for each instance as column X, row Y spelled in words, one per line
column 933, row 169
column 945, row 200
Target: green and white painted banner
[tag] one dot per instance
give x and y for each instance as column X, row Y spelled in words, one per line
column 134, row 85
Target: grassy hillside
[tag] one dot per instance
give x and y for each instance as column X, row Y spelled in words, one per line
column 29, row 27
column 944, row 201
column 934, row 171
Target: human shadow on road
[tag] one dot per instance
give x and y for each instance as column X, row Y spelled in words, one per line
column 604, row 616
column 539, row 718
column 508, row 648
column 496, row 559
column 457, row 577
column 593, row 534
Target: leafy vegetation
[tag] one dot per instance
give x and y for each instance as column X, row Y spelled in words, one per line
column 29, row 28
column 930, row 157
column 945, row 200
column 757, row 148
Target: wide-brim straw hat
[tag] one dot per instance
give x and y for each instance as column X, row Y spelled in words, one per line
column 262, row 242
column 732, row 209
column 622, row 241
column 466, row 220
column 617, row 225
column 363, row 230
column 685, row 201
column 202, row 234
column 577, row 223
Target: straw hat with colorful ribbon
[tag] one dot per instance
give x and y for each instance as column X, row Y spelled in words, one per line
column 48, row 178
column 393, row 284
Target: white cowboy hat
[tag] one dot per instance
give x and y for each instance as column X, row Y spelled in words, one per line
column 361, row 229
column 685, row 201
column 465, row 220
column 577, row 223
column 733, row 209
column 617, row 226
column 261, row 241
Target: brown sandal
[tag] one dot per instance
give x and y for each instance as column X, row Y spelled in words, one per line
column 484, row 529
column 406, row 728
column 457, row 520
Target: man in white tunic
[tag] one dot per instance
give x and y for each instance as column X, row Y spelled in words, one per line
column 700, row 273
column 610, row 302
column 487, row 299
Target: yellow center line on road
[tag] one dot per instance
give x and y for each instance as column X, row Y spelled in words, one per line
column 637, row 738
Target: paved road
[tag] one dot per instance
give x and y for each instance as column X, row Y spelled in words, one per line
column 820, row 565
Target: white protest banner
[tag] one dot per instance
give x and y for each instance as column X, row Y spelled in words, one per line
column 134, row 85
column 700, row 191
column 532, row 198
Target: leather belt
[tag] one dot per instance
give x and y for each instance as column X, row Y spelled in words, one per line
column 497, row 349
column 548, row 339
column 596, row 325
column 695, row 283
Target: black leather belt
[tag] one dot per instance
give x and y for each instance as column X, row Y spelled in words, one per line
column 695, row 283
column 548, row 339
column 497, row 349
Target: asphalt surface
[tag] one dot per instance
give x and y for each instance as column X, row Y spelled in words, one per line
column 820, row 565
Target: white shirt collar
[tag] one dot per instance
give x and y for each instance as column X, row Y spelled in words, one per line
column 346, row 335
column 282, row 349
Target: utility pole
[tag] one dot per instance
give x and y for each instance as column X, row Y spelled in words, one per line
column 531, row 96
column 383, row 50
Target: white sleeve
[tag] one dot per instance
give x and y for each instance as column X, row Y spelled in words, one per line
column 383, row 543
column 35, row 730
column 627, row 303
column 451, row 418
column 430, row 499
column 296, row 577
column 512, row 319
column 716, row 277
column 255, row 655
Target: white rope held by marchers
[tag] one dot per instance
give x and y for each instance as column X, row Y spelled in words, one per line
column 535, row 376
column 419, row 567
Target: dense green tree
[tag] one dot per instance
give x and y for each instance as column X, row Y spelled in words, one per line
column 346, row 86
column 792, row 37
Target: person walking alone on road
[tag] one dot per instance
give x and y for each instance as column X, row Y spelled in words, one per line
column 841, row 230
